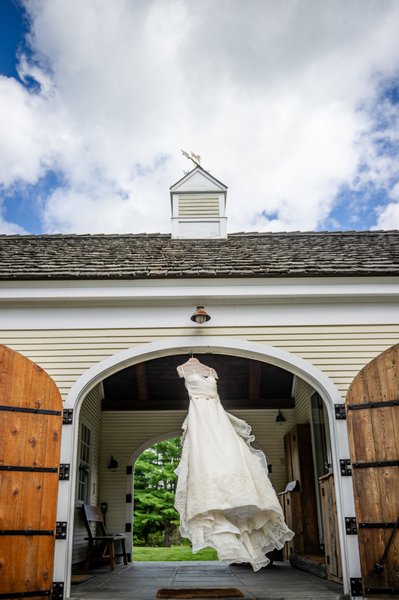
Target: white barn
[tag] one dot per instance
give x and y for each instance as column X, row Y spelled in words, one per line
column 294, row 318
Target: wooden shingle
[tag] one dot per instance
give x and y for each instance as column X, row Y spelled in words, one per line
column 157, row 256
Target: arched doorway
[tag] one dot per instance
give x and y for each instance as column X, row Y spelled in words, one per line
column 220, row 346
column 154, row 518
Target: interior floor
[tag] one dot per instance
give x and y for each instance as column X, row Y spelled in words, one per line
column 140, row 581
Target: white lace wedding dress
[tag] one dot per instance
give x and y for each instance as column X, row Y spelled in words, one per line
column 224, row 495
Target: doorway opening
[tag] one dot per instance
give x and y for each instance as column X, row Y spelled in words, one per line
column 156, row 535
column 143, row 403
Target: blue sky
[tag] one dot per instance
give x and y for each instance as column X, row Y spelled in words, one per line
column 10, row 35
column 295, row 106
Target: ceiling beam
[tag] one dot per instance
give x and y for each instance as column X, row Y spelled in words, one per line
column 255, row 380
column 142, row 382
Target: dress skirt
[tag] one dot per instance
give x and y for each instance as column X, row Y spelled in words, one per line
column 224, row 495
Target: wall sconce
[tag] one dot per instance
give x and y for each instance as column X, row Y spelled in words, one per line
column 113, row 464
column 200, row 316
column 280, row 418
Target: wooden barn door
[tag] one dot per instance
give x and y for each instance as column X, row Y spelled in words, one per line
column 30, row 435
column 373, row 424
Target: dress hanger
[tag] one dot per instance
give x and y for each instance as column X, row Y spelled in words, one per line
column 194, row 366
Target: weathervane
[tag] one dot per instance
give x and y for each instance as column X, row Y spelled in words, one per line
column 195, row 158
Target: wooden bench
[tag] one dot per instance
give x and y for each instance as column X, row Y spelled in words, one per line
column 101, row 544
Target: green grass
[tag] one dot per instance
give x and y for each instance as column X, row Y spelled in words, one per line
column 173, row 553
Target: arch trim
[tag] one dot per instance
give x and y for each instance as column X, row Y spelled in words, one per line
column 316, row 378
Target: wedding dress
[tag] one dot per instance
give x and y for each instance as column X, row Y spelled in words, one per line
column 224, row 495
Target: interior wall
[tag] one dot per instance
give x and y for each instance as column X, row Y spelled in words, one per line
column 91, row 414
column 303, row 392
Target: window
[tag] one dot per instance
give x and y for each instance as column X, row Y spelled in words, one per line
column 84, row 470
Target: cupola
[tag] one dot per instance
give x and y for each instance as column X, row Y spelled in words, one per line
column 198, row 206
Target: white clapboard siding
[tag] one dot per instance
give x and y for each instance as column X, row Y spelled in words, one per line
column 303, row 392
column 90, row 413
column 127, row 431
column 339, row 350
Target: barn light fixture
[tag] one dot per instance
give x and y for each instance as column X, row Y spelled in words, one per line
column 113, row 464
column 280, row 418
column 200, row 316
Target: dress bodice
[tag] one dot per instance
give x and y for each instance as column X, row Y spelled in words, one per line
column 201, row 385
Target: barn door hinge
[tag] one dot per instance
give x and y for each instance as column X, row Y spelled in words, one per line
column 61, row 530
column 378, row 525
column 29, row 469
column 356, row 586
column 345, row 467
column 376, row 463
column 367, row 405
column 64, row 472
column 340, row 412
column 381, row 591
column 29, row 532
column 67, row 416
column 35, row 594
column 57, row 590
column 350, row 526
column 29, row 410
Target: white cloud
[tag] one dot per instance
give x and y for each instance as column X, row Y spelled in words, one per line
column 388, row 217
column 26, row 146
column 9, row 228
column 275, row 96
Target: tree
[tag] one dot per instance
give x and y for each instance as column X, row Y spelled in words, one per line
column 154, row 492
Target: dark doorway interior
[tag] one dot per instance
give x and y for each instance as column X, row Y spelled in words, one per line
column 154, row 385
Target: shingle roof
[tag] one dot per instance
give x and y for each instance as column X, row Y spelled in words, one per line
column 157, row 256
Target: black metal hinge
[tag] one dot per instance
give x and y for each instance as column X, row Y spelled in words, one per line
column 64, row 472
column 129, row 470
column 345, row 467
column 381, row 591
column 384, row 525
column 36, row 594
column 382, row 404
column 377, row 463
column 340, row 412
column 28, row 469
column 57, row 590
column 61, row 530
column 29, row 532
column 350, row 526
column 67, row 416
column 356, row 586
column 128, row 498
column 128, row 527
column 24, row 409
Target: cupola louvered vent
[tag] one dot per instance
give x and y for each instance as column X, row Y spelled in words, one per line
column 198, row 206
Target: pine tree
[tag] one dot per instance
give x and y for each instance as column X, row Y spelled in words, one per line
column 154, row 492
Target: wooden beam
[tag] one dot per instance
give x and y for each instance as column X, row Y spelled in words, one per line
column 142, row 382
column 255, row 380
